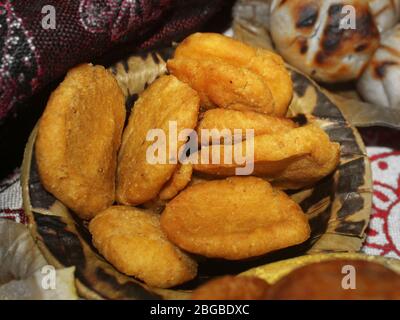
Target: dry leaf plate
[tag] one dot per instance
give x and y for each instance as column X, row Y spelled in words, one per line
column 338, row 207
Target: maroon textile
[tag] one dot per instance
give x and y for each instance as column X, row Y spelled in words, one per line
column 31, row 56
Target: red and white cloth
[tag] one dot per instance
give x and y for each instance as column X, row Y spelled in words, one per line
column 384, row 230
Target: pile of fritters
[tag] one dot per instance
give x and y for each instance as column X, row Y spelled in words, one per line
column 88, row 161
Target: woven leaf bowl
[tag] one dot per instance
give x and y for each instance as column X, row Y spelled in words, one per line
column 338, row 207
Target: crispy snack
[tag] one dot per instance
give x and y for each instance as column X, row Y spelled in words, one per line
column 264, row 64
column 167, row 99
column 200, row 178
column 155, row 205
column 78, row 139
column 234, row 219
column 232, row 288
column 131, row 239
column 291, row 159
column 178, row 182
column 324, row 281
column 221, row 84
column 221, row 119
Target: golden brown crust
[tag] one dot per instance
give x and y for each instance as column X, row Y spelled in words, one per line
column 132, row 240
column 221, row 84
column 232, row 288
column 232, row 120
column 324, row 280
column 292, row 159
column 178, row 182
column 265, row 64
column 167, row 99
column 78, row 139
column 236, row 218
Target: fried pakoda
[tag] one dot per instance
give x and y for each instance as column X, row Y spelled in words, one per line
column 324, row 281
column 78, row 138
column 232, row 288
column 222, row 119
column 221, row 84
column 155, row 205
column 131, row 239
column 236, row 218
column 178, row 182
column 166, row 100
column 200, row 178
column 268, row 66
column 291, row 160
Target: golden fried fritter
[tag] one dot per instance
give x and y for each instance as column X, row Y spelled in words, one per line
column 155, row 205
column 131, row 239
column 178, row 182
column 236, row 218
column 221, row 84
column 324, row 281
column 292, row 159
column 267, row 65
column 78, row 139
column 232, row 288
column 167, row 99
column 221, row 119
column 200, row 178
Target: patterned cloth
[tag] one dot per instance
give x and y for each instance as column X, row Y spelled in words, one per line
column 30, row 58
column 384, row 230
column 32, row 53
column 11, row 198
